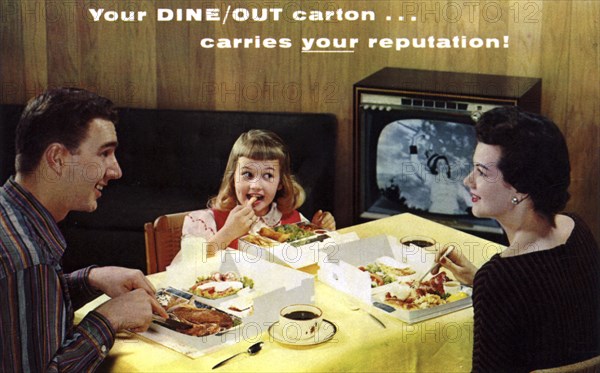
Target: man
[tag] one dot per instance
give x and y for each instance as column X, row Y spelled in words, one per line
column 65, row 147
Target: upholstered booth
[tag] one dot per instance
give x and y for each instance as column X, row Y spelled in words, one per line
column 173, row 161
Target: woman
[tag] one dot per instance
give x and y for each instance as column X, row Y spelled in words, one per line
column 536, row 304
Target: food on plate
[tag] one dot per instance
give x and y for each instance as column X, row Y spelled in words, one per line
column 274, row 235
column 457, row 296
column 220, row 285
column 392, row 267
column 386, row 270
column 426, row 295
column 289, row 232
column 451, row 287
column 192, row 314
column 378, row 276
column 258, row 240
column 168, row 298
column 204, row 321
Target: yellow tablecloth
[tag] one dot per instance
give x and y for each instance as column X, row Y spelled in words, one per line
column 440, row 344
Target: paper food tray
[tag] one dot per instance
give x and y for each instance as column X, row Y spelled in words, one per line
column 414, row 316
column 283, row 286
column 296, row 254
column 340, row 271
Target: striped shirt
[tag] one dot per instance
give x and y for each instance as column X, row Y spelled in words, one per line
column 37, row 300
column 538, row 310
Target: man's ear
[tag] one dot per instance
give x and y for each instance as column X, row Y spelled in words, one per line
column 55, row 157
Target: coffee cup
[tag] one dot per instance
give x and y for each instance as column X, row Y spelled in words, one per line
column 422, row 249
column 424, row 242
column 300, row 321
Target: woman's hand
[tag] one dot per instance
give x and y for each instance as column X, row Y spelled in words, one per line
column 324, row 220
column 462, row 269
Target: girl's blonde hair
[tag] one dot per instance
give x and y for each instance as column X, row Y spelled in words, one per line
column 260, row 145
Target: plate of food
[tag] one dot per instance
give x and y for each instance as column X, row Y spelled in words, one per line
column 192, row 317
column 294, row 234
column 220, row 285
column 296, row 245
column 413, row 302
column 385, row 271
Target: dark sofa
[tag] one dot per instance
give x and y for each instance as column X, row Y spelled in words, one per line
column 173, row 161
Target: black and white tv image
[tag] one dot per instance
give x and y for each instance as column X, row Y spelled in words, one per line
column 421, row 165
column 415, row 160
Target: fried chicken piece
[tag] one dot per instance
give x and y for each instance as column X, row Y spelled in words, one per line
column 270, row 233
column 200, row 330
column 192, row 315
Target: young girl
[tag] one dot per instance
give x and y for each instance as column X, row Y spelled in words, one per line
column 257, row 190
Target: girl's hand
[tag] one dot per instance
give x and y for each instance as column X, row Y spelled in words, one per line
column 240, row 220
column 324, row 220
column 462, row 269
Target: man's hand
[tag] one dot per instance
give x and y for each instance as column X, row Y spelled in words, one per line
column 131, row 311
column 114, row 281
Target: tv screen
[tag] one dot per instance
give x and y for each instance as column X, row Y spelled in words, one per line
column 421, row 165
column 415, row 160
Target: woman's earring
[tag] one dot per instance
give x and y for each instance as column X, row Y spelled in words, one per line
column 515, row 201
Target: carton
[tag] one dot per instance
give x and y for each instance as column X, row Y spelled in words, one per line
column 275, row 287
column 340, row 271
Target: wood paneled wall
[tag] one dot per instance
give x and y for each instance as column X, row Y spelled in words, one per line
column 161, row 64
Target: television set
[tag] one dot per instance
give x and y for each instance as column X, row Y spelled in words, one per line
column 414, row 148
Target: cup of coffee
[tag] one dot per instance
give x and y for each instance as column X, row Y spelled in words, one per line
column 424, row 242
column 422, row 249
column 300, row 321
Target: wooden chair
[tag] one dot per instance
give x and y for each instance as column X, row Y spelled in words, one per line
column 587, row 366
column 163, row 241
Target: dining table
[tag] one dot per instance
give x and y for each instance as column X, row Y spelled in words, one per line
column 443, row 343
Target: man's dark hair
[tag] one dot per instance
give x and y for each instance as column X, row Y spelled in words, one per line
column 60, row 115
column 535, row 158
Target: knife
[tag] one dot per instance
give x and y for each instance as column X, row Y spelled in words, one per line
column 170, row 323
column 376, row 319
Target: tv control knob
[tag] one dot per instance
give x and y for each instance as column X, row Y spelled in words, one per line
column 476, row 115
column 381, row 108
column 388, row 108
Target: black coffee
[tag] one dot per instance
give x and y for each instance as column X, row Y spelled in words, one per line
column 301, row 315
column 420, row 243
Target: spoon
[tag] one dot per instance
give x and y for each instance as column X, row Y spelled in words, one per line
column 252, row 350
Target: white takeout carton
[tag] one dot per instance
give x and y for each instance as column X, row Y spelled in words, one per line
column 298, row 254
column 340, row 271
column 275, row 287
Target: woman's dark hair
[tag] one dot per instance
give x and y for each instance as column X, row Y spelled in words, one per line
column 535, row 158
column 60, row 115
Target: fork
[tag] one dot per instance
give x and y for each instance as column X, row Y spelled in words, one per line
column 436, row 265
